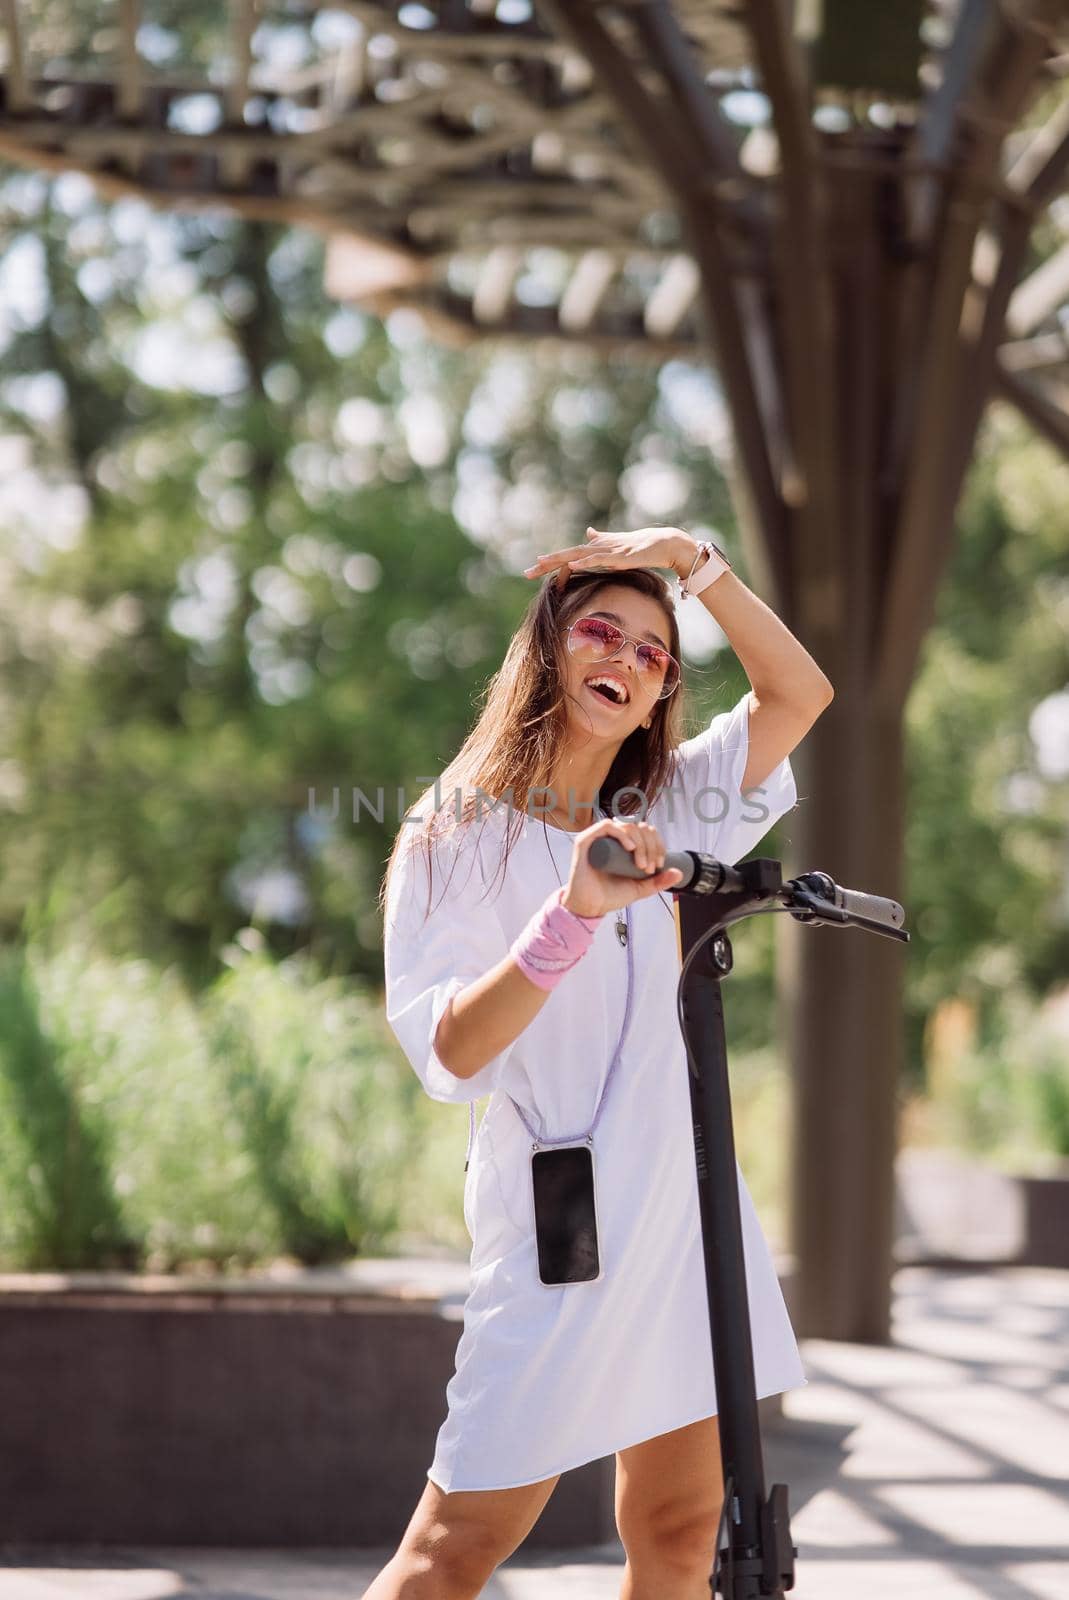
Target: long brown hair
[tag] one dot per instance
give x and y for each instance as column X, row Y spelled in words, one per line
column 523, row 727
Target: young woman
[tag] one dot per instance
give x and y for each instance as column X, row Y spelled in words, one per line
column 551, row 988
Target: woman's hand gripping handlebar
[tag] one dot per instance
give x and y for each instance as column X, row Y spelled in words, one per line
column 591, row 892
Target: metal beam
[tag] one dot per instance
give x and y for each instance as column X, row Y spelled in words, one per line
column 938, row 125
column 805, row 324
column 1033, row 157
column 672, row 297
column 16, row 88
column 946, row 372
column 984, row 325
column 128, row 97
column 1044, row 351
column 979, row 333
column 675, row 147
column 234, row 162
column 587, row 287
column 659, row 32
column 492, row 295
column 1042, row 292
column 1049, row 420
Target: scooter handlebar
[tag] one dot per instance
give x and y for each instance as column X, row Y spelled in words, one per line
column 703, row 874
column 871, row 908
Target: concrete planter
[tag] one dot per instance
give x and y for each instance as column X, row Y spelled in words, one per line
column 1046, row 1218
column 953, row 1208
column 282, row 1411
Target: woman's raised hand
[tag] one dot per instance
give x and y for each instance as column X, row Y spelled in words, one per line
column 613, row 552
column 589, row 893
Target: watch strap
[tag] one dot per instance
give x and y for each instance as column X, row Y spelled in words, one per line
column 713, row 567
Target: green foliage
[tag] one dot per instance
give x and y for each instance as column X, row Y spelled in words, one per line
column 1008, row 1100
column 141, row 1126
column 297, row 585
column 287, row 563
column 986, row 840
column 62, row 1209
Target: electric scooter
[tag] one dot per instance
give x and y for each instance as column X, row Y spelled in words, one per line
column 754, row 1552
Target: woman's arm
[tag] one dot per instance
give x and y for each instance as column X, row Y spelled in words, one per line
column 486, row 1017
column 789, row 691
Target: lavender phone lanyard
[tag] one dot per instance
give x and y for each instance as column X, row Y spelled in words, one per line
column 577, row 1138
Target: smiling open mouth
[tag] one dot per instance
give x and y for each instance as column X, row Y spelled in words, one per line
column 611, row 690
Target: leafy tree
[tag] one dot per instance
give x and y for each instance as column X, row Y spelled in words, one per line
column 267, row 547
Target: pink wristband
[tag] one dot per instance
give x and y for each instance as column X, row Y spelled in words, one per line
column 552, row 942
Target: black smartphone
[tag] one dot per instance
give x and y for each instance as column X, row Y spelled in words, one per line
column 566, row 1215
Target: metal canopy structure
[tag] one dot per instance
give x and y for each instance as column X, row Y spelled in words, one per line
column 856, row 211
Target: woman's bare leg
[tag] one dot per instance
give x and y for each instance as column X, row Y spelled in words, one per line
column 669, row 1494
column 454, row 1542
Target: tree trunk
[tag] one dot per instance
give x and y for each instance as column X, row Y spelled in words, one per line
column 841, row 998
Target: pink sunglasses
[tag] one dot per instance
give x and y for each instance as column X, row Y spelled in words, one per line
column 594, row 639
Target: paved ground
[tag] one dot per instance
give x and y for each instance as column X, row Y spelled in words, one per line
column 935, row 1468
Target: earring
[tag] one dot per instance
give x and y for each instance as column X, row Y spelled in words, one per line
column 646, row 724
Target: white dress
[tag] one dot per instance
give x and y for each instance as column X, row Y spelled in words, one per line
column 548, row 1378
